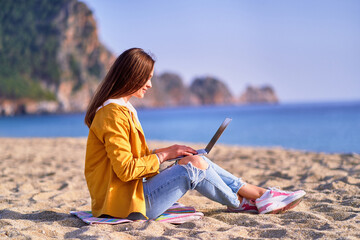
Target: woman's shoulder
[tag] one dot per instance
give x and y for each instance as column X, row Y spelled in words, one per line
column 112, row 113
column 116, row 109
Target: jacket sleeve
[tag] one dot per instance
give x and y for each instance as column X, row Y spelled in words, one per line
column 116, row 137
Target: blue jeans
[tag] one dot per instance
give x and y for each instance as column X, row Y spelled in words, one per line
column 165, row 188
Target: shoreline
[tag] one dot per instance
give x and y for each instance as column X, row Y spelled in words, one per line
column 42, row 180
column 328, row 129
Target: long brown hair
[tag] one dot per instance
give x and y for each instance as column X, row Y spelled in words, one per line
column 130, row 71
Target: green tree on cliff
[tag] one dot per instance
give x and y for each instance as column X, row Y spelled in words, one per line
column 28, row 46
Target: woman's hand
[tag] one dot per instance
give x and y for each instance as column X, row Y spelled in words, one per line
column 174, row 151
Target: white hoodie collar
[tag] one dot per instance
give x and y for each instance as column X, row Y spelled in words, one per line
column 121, row 102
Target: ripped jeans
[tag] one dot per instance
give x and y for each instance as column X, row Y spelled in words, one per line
column 165, row 188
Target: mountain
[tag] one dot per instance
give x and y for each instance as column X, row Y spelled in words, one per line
column 50, row 56
column 51, row 60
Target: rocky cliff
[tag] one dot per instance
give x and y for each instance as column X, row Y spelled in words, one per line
column 59, row 44
column 83, row 59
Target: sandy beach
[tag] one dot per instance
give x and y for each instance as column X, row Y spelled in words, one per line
column 42, row 180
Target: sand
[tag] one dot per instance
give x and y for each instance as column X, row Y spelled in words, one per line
column 41, row 180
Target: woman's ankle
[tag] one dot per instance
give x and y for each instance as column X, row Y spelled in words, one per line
column 262, row 191
column 240, row 198
column 251, row 192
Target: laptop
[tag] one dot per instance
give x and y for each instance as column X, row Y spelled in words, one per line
column 212, row 142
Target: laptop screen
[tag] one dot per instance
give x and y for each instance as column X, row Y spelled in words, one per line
column 217, row 134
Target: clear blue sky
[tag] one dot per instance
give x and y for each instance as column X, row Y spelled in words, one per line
column 308, row 50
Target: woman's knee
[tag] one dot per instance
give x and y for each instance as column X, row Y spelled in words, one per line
column 196, row 161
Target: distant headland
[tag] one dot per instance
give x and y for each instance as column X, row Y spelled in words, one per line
column 54, row 62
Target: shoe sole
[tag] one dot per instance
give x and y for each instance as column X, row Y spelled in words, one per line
column 242, row 211
column 286, row 208
column 252, row 212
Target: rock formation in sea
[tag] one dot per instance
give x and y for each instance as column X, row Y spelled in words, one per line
column 211, row 91
column 168, row 90
column 255, row 95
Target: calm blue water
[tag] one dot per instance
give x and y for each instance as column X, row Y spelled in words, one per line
column 330, row 127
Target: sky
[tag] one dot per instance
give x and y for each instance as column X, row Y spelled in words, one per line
column 308, row 50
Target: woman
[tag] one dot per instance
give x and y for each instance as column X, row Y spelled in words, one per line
column 123, row 175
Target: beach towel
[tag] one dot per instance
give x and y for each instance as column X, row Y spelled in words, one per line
column 176, row 214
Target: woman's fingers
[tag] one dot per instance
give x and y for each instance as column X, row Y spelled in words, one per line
column 177, row 150
column 188, row 153
column 188, row 149
column 192, row 151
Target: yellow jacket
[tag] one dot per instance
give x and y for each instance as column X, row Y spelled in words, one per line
column 117, row 159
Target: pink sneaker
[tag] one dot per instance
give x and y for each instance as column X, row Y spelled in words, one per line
column 246, row 205
column 277, row 201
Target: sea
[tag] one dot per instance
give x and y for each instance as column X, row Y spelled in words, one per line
column 317, row 127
